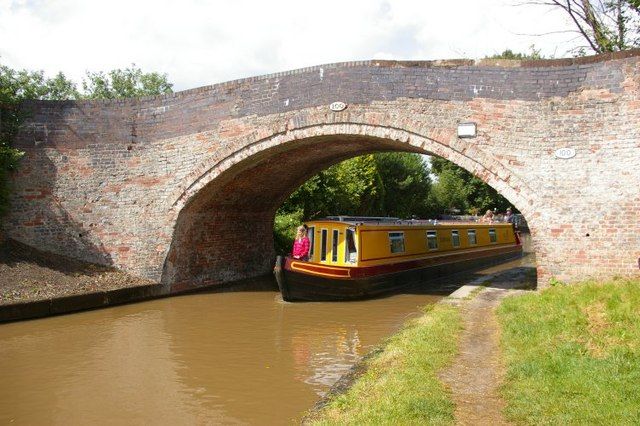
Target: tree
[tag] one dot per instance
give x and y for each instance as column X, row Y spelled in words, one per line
column 361, row 189
column 383, row 184
column 352, row 187
column 124, row 83
column 406, row 182
column 449, row 193
column 60, row 88
column 457, row 189
column 605, row 25
column 509, row 54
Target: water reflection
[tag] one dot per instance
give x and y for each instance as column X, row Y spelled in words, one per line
column 321, row 362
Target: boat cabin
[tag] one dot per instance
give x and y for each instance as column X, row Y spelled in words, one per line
column 369, row 241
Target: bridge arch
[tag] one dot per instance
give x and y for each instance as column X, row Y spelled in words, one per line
column 224, row 214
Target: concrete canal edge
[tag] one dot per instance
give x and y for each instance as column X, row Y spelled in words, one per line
column 346, row 381
column 80, row 302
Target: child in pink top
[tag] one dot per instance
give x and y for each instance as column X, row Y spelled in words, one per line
column 301, row 245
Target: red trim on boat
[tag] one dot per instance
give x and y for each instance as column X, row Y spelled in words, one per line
column 320, row 269
column 430, row 261
column 303, row 266
column 368, row 271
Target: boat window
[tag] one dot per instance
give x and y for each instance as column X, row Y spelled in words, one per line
column 350, row 252
column 432, row 240
column 455, row 238
column 334, row 246
column 311, row 235
column 396, row 242
column 323, row 246
column 492, row 235
column 471, row 234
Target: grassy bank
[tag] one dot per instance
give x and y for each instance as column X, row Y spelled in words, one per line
column 573, row 354
column 401, row 385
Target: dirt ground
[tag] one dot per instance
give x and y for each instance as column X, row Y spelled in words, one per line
column 476, row 374
column 27, row 274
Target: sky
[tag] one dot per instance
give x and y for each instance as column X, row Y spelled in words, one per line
column 198, row 43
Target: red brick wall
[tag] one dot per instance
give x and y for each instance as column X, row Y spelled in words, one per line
column 183, row 188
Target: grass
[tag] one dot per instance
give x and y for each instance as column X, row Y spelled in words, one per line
column 573, row 354
column 400, row 385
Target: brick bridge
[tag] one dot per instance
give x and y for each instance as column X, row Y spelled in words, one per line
column 183, row 188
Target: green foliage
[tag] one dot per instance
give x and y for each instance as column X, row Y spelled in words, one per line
column 350, row 187
column 16, row 86
column 457, row 189
column 553, row 281
column 360, row 190
column 509, row 54
column 449, row 192
column 128, row 83
column 9, row 158
column 407, row 185
column 60, row 88
column 392, row 184
column 572, row 354
column 284, row 230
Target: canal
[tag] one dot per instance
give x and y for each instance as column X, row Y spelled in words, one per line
column 240, row 357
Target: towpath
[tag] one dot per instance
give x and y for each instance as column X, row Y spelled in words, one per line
column 476, row 374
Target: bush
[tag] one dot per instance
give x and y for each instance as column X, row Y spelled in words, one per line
column 284, row 230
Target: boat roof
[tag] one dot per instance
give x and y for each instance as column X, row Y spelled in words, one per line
column 375, row 220
column 362, row 219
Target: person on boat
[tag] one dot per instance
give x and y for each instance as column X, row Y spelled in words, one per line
column 487, row 218
column 508, row 216
column 301, row 244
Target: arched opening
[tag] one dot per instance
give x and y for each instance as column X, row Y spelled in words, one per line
column 224, row 225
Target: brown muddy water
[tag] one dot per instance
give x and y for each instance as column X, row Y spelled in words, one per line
column 208, row 358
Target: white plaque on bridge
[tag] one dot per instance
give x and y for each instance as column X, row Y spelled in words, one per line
column 467, row 130
column 565, row 153
column 337, row 106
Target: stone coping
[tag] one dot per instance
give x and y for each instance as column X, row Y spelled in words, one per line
column 33, row 309
column 79, row 302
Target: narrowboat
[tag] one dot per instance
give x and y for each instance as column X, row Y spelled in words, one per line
column 360, row 257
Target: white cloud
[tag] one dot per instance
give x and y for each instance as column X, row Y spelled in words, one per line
column 199, row 42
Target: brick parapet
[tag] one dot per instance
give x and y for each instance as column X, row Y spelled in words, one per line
column 583, row 62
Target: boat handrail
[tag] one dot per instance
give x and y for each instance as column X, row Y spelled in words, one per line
column 382, row 221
